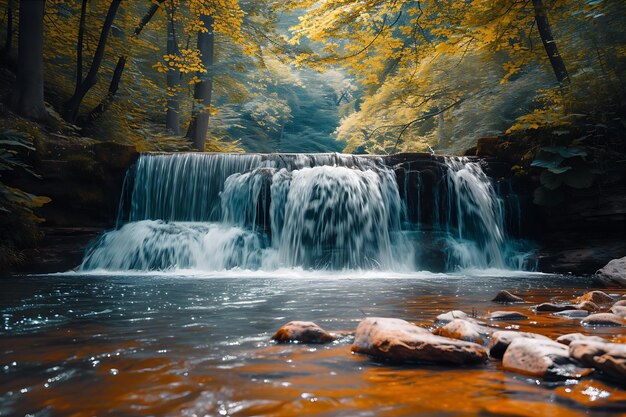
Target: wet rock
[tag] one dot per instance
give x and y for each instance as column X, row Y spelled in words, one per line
column 613, row 273
column 541, row 358
column 603, row 319
column 400, row 341
column 552, row 307
column 507, row 315
column 619, row 311
column 451, row 315
column 572, row 314
column 501, row 340
column 567, row 339
column 302, row 331
column 596, row 297
column 610, row 358
column 464, row 330
column 506, row 297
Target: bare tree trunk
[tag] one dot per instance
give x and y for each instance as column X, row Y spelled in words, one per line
column 541, row 17
column 71, row 106
column 5, row 52
column 27, row 98
column 114, row 85
column 199, row 124
column 173, row 81
column 79, row 44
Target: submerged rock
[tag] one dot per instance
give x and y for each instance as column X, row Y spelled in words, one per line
column 506, row 297
column 501, row 340
column 464, row 330
column 302, row 331
column 596, row 297
column 613, row 273
column 585, row 305
column 610, row 358
column 400, row 341
column 541, row 358
column 619, row 311
column 603, row 319
column 572, row 314
column 507, row 315
column 567, row 339
column 451, row 315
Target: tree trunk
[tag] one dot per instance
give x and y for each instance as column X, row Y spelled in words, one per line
column 173, row 81
column 199, row 123
column 541, row 17
column 79, row 44
column 71, row 106
column 5, row 53
column 27, row 98
column 114, row 85
column 441, row 139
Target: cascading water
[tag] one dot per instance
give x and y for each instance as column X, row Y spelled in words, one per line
column 216, row 212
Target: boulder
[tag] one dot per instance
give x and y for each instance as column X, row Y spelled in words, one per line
column 567, row 339
column 501, row 340
column 541, row 358
column 303, row 332
column 451, row 315
column 572, row 314
column 507, row 315
column 620, row 303
column 400, row 341
column 596, row 297
column 506, row 297
column 464, row 330
column 552, row 307
column 610, row 358
column 613, row 273
column 619, row 311
column 604, row 319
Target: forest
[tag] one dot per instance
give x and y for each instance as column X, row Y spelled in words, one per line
column 364, row 77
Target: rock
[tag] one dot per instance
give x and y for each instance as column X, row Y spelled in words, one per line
column 541, row 358
column 506, row 297
column 571, row 314
column 507, row 315
column 566, row 339
column 613, row 273
column 464, row 330
column 610, row 358
column 585, row 305
column 619, row 311
column 596, row 297
column 399, row 341
column 302, row 331
column 603, row 319
column 451, row 315
column 501, row 340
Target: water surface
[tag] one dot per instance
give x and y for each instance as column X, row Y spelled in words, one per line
column 139, row 345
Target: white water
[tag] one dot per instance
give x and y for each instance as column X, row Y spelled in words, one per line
column 206, row 212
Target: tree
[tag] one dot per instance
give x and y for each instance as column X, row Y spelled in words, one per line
column 199, row 123
column 72, row 105
column 172, row 122
column 121, row 64
column 543, row 25
column 27, row 99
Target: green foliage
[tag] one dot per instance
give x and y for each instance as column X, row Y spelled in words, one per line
column 563, row 166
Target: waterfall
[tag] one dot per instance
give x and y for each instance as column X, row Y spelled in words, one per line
column 216, row 212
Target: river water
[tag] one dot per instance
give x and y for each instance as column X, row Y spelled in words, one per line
column 199, row 344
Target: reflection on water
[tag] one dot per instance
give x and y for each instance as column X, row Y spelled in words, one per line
column 173, row 345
